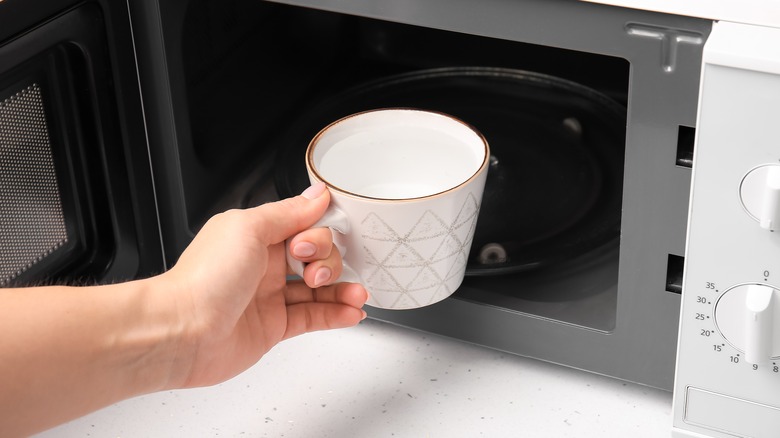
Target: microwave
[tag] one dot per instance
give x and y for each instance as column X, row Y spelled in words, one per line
column 627, row 223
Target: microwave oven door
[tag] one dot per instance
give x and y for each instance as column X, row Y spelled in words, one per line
column 76, row 197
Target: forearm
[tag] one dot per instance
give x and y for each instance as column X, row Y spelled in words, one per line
column 66, row 351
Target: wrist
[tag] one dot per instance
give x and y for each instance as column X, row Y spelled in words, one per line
column 152, row 342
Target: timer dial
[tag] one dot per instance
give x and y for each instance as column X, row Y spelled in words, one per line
column 760, row 195
column 747, row 316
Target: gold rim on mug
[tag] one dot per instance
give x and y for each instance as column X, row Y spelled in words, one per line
column 313, row 143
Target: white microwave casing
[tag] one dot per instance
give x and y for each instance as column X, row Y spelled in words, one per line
column 727, row 380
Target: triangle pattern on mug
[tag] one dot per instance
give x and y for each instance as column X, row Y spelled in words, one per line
column 422, row 265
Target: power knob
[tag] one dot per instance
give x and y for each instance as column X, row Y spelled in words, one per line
column 760, row 195
column 747, row 316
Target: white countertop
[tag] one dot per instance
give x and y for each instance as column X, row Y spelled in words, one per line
column 379, row 380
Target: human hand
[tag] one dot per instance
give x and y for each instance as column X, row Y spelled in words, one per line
column 232, row 296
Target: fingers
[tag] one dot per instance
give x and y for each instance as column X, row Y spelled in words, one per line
column 310, row 317
column 277, row 221
column 323, row 272
column 316, row 248
column 313, row 244
column 351, row 294
column 326, row 308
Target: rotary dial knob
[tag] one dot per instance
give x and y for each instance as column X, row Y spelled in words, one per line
column 747, row 316
column 760, row 195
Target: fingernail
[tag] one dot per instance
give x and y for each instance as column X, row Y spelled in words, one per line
column 322, row 276
column 304, row 249
column 314, row 191
column 365, row 315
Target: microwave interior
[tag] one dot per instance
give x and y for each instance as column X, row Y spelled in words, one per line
column 262, row 79
column 579, row 181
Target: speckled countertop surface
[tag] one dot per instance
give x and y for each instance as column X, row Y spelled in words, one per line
column 379, row 380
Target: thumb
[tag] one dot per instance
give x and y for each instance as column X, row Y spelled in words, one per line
column 277, row 221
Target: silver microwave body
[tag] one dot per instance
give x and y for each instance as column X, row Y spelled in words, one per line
column 610, row 313
column 613, row 316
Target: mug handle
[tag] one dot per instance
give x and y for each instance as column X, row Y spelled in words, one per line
column 337, row 221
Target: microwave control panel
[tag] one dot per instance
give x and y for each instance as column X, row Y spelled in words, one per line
column 727, row 380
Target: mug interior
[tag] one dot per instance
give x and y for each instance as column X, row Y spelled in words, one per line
column 397, row 154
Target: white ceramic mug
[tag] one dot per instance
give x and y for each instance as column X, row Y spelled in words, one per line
column 406, row 186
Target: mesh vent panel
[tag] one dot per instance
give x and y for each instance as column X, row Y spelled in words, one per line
column 32, row 223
